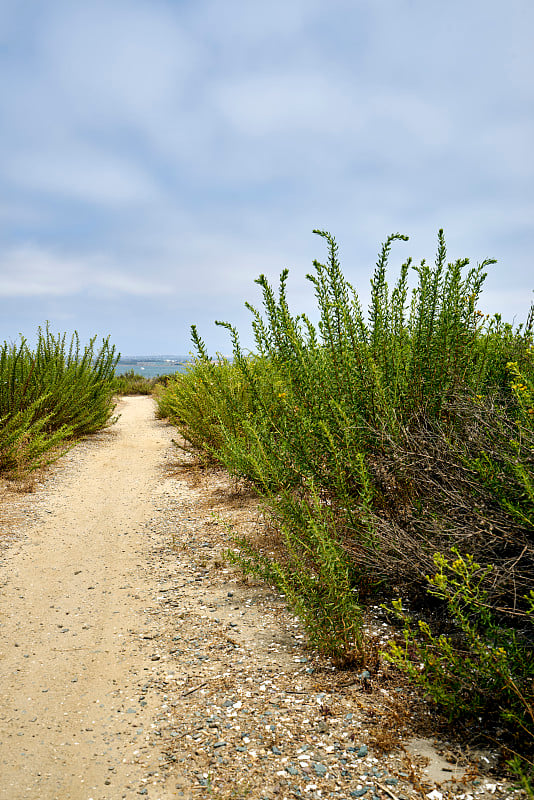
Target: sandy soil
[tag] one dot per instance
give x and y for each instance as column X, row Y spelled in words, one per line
column 135, row 662
column 72, row 593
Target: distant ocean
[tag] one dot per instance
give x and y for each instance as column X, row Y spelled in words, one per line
column 152, row 366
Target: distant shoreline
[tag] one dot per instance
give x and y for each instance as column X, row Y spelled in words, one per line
column 151, row 359
column 152, row 366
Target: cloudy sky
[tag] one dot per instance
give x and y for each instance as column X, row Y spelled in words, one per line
column 157, row 155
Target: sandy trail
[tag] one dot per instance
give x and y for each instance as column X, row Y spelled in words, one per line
column 71, row 596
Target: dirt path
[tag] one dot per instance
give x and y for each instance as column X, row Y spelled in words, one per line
column 135, row 662
column 72, row 591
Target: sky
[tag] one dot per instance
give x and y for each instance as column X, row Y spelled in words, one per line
column 156, row 156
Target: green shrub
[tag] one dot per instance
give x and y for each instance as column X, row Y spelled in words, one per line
column 378, row 440
column 480, row 669
column 343, row 386
column 131, row 383
column 49, row 395
column 313, row 572
column 211, row 400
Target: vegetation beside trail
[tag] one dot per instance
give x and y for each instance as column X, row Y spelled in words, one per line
column 50, row 395
column 130, row 383
column 394, row 451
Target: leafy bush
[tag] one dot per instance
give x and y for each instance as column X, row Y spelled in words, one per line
column 377, row 440
column 211, row 400
column 131, row 383
column 481, row 669
column 313, row 573
column 49, row 395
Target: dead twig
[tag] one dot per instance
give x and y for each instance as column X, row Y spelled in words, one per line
column 387, row 791
column 194, row 689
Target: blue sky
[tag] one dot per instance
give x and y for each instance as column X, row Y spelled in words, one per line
column 157, row 155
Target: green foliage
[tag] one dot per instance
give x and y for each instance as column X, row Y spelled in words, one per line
column 482, row 668
column 210, row 401
column 313, row 572
column 522, row 385
column 343, row 384
column 131, row 383
column 49, row 395
column 377, row 440
column 523, row 772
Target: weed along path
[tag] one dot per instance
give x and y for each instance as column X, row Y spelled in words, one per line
column 135, row 662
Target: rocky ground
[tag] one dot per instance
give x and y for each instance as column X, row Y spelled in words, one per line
column 135, row 661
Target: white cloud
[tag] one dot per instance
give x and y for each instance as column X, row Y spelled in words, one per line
column 123, row 60
column 282, row 103
column 30, row 271
column 82, row 173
